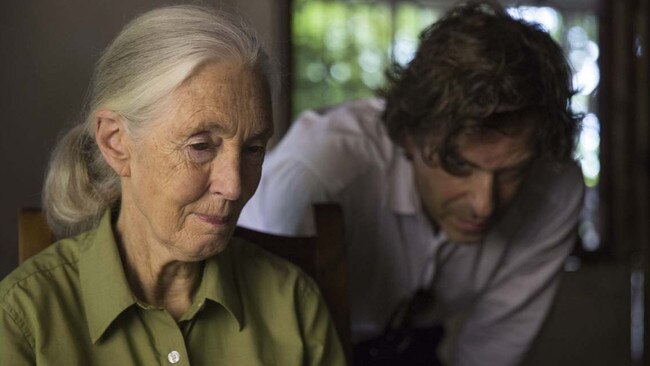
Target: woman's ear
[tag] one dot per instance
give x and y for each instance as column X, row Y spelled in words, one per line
column 111, row 137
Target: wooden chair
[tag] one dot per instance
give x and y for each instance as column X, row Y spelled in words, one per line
column 323, row 256
column 33, row 233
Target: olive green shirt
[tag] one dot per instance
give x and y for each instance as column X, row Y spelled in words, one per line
column 72, row 305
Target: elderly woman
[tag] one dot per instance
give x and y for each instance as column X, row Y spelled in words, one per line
column 149, row 188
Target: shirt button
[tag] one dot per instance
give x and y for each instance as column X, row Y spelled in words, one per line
column 174, row 357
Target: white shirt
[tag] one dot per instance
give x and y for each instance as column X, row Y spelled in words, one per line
column 502, row 287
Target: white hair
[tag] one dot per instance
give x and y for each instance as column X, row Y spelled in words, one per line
column 153, row 55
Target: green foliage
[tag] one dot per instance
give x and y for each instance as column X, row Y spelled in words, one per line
column 341, row 48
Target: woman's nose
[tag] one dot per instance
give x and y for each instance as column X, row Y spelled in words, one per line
column 225, row 177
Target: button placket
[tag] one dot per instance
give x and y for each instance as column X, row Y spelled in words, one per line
column 168, row 337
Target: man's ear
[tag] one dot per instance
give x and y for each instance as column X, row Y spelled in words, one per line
column 110, row 134
column 409, row 145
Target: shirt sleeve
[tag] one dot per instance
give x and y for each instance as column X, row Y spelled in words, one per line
column 15, row 349
column 293, row 180
column 509, row 313
column 320, row 338
column 317, row 160
column 282, row 204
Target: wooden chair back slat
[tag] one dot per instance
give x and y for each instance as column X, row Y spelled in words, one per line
column 33, row 233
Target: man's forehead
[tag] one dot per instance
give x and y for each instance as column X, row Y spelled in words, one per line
column 495, row 149
column 485, row 135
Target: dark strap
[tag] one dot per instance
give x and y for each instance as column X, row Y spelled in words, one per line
column 405, row 313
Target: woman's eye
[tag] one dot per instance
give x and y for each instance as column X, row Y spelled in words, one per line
column 201, row 151
column 255, row 149
column 200, row 146
column 255, row 153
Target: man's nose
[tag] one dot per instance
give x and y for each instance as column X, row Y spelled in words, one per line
column 482, row 195
column 225, row 177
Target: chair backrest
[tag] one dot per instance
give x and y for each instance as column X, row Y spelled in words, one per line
column 323, row 256
column 33, row 233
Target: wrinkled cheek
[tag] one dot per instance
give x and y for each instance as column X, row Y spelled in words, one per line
column 187, row 188
column 174, row 205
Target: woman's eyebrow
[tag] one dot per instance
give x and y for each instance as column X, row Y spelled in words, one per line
column 262, row 134
column 227, row 129
column 216, row 126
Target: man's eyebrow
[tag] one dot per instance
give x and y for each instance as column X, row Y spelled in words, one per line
column 523, row 164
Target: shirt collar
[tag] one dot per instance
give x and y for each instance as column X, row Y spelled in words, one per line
column 403, row 196
column 219, row 284
column 104, row 288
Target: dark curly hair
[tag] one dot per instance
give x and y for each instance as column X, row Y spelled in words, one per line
column 479, row 69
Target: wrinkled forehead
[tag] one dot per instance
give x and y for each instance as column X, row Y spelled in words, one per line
column 231, row 95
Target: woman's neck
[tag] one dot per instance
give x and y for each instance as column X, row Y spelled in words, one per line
column 154, row 275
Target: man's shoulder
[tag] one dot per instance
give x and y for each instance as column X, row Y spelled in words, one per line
column 352, row 125
column 554, row 185
column 340, row 141
column 549, row 205
column 356, row 117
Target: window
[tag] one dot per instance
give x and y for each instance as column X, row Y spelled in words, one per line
column 341, row 48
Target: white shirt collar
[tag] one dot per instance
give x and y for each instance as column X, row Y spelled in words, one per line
column 403, row 199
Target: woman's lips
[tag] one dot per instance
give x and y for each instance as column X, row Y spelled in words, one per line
column 214, row 219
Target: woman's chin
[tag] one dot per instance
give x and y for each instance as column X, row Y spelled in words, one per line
column 204, row 250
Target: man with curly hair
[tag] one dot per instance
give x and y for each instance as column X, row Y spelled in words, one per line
column 458, row 181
